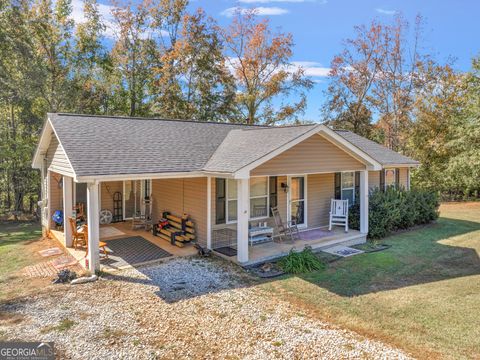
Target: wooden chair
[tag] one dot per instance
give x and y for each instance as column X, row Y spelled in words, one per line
column 101, row 244
column 338, row 214
column 289, row 232
column 80, row 209
column 77, row 237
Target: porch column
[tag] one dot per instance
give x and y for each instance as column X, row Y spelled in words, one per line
column 93, row 227
column 67, row 209
column 243, row 209
column 364, row 201
column 209, row 212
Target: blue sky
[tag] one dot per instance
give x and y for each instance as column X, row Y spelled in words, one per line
column 452, row 28
column 318, row 27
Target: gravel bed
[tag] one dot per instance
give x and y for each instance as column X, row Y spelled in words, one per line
column 183, row 309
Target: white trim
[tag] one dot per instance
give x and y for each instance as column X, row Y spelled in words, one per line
column 305, row 199
column 209, row 212
column 49, row 197
column 93, row 214
column 243, row 209
column 387, row 166
column 42, row 145
column 150, row 176
column 363, row 202
column 67, row 193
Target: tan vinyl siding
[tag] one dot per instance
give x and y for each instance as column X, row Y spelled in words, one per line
column 314, row 155
column 107, row 190
column 56, row 194
column 373, row 179
column 57, row 159
column 320, row 190
column 179, row 196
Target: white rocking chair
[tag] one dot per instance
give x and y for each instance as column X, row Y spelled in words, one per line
column 338, row 214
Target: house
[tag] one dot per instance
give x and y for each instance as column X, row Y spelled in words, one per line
column 224, row 176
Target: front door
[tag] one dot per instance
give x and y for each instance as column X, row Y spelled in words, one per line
column 296, row 200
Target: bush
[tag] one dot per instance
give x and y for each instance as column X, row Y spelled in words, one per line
column 396, row 209
column 301, row 262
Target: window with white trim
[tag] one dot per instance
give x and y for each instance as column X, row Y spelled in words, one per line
column 231, row 202
column 390, row 178
column 259, row 197
column 348, row 187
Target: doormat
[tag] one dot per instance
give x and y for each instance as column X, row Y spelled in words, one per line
column 227, row 250
column 50, row 252
column 342, row 251
column 132, row 250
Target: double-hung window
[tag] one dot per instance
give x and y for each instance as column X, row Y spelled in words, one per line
column 231, row 200
column 348, row 187
column 263, row 194
column 258, row 197
column 390, row 178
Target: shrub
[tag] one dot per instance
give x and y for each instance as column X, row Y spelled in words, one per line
column 396, row 209
column 301, row 262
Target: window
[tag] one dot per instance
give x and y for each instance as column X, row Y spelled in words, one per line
column 273, row 184
column 297, row 199
column 231, row 200
column 348, row 187
column 220, row 201
column 146, row 189
column 390, row 177
column 263, row 195
column 258, row 197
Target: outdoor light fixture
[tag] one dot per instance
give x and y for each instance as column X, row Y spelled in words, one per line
column 284, row 186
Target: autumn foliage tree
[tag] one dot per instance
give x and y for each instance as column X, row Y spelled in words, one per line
column 260, row 62
column 378, row 70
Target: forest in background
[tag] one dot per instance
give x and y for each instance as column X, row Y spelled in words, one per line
column 157, row 58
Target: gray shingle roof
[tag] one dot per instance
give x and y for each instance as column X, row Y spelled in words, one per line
column 98, row 145
column 243, row 146
column 102, row 145
column 378, row 152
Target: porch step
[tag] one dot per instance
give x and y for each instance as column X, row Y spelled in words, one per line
column 351, row 240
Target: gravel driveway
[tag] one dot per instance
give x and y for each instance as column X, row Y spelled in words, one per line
column 184, row 308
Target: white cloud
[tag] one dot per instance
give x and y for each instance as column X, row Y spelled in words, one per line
column 312, row 68
column 105, row 11
column 280, row 1
column 385, row 12
column 111, row 27
column 261, row 11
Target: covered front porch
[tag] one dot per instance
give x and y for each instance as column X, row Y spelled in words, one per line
column 250, row 235
column 317, row 239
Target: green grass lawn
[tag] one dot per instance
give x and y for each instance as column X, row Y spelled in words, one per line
column 422, row 294
column 15, row 241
